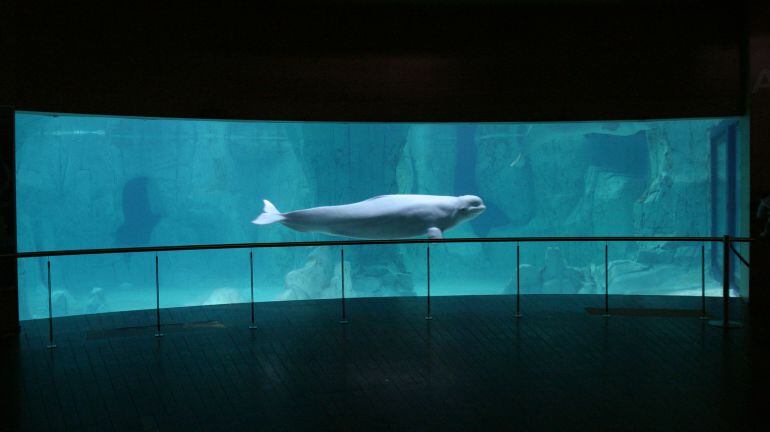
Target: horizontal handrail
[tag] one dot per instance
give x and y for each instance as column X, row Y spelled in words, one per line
column 367, row 242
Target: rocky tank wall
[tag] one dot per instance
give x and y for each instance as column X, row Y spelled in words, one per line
column 102, row 182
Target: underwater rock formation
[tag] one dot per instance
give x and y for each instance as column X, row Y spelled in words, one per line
column 63, row 303
column 97, row 302
column 503, row 171
column 382, row 281
column 428, row 162
column 677, row 197
column 555, row 277
column 312, row 280
column 223, row 296
column 529, row 280
column 606, row 207
column 633, row 277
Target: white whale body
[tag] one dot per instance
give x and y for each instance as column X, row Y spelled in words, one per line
column 381, row 217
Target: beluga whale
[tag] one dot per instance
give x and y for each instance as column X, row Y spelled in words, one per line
column 382, row 217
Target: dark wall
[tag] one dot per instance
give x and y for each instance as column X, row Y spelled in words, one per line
column 9, row 312
column 759, row 107
column 389, row 60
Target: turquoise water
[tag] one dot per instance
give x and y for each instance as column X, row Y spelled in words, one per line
column 102, row 182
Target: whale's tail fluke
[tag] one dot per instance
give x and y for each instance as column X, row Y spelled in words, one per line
column 269, row 215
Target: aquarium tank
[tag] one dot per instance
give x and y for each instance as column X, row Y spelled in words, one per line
column 88, row 182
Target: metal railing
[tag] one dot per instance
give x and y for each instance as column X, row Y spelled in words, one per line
column 727, row 241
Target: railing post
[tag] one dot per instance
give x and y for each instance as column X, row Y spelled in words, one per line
column 427, row 263
column 344, row 319
column 50, row 345
column 703, row 314
column 158, row 333
column 251, row 285
column 518, row 283
column 726, row 282
column 606, row 284
column 725, row 321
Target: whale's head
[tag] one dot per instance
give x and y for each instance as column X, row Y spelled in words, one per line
column 469, row 206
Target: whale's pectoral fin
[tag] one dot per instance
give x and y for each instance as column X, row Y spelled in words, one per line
column 435, row 233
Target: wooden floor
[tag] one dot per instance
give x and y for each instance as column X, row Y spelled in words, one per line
column 474, row 367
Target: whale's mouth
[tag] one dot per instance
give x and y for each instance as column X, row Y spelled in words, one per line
column 477, row 209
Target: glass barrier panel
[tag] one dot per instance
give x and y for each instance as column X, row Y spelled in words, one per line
column 106, row 182
column 662, row 268
column 87, row 284
column 472, row 268
column 296, row 273
column 385, row 271
column 203, row 277
column 33, row 288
